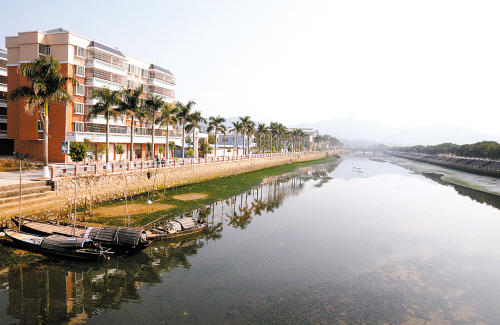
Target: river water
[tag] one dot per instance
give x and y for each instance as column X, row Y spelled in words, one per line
column 360, row 241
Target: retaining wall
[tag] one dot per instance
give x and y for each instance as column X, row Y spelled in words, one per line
column 109, row 186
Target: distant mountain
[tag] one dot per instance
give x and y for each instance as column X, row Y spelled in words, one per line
column 436, row 133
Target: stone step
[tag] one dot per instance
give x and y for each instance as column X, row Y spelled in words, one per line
column 26, row 191
column 26, row 198
column 32, row 206
column 32, row 199
column 29, row 184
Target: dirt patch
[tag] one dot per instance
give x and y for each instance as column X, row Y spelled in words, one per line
column 119, row 210
column 190, row 197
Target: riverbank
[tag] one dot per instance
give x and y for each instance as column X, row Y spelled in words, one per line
column 92, row 189
column 482, row 183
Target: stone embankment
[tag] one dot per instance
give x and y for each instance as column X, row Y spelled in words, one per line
column 471, row 165
column 109, row 186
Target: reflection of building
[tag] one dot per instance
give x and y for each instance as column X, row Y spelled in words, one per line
column 95, row 66
column 41, row 295
column 6, row 146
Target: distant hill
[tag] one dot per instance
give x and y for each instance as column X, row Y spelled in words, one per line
column 351, row 129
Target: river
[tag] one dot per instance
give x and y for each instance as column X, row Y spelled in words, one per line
column 360, row 241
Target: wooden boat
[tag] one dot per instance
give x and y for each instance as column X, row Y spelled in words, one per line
column 58, row 245
column 177, row 228
column 119, row 239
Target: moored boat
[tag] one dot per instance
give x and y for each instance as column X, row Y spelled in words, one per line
column 119, row 239
column 58, row 245
column 177, row 228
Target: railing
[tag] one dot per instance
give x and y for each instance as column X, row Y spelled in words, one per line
column 100, row 167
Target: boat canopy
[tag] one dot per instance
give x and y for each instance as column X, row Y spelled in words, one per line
column 58, row 242
column 181, row 224
column 119, row 235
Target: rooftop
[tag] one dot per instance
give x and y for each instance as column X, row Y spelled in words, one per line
column 106, row 48
column 157, row 68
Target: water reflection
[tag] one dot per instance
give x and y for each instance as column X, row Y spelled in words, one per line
column 478, row 196
column 66, row 292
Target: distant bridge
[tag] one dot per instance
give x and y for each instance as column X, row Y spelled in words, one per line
column 365, row 150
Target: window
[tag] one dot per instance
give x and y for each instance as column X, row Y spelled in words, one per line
column 79, row 71
column 44, row 49
column 77, row 127
column 144, row 73
column 144, row 88
column 130, row 84
column 79, row 51
column 131, row 68
column 40, row 130
column 79, row 90
column 78, row 108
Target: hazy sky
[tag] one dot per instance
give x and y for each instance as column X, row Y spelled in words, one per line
column 395, row 63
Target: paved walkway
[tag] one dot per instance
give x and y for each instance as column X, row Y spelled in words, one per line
column 9, row 178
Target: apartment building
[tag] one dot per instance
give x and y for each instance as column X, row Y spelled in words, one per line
column 94, row 65
column 6, row 146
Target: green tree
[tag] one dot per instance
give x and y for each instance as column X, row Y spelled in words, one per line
column 130, row 106
column 119, row 149
column 106, row 102
column 46, row 84
column 77, row 151
column 193, row 123
column 167, row 118
column 216, row 125
column 262, row 130
column 152, row 109
column 205, row 148
column 183, row 112
column 248, row 129
column 238, row 128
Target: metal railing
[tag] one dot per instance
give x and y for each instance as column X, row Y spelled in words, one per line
column 100, row 167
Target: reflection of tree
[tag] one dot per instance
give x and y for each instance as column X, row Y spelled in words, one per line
column 66, row 292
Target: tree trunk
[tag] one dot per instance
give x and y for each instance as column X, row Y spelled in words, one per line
column 167, row 146
column 183, row 142
column 153, row 138
column 46, row 140
column 107, row 140
column 215, row 153
column 132, row 141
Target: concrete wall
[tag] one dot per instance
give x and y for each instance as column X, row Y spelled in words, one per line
column 111, row 186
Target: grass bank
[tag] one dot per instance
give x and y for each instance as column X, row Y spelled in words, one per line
column 210, row 192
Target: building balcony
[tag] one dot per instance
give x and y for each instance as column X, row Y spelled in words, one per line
column 3, row 72
column 160, row 83
column 100, row 83
column 3, row 87
column 100, row 136
column 98, row 64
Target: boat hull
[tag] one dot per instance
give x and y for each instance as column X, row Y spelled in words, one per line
column 33, row 242
column 46, row 229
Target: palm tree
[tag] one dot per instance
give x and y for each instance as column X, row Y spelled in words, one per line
column 168, row 117
column 183, row 112
column 152, row 107
column 216, row 126
column 194, row 119
column 280, row 132
column 106, row 100
column 261, row 131
column 130, row 106
column 46, row 85
column 248, row 124
column 238, row 128
column 274, row 129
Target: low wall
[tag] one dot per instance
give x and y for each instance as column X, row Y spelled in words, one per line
column 109, row 186
column 452, row 165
